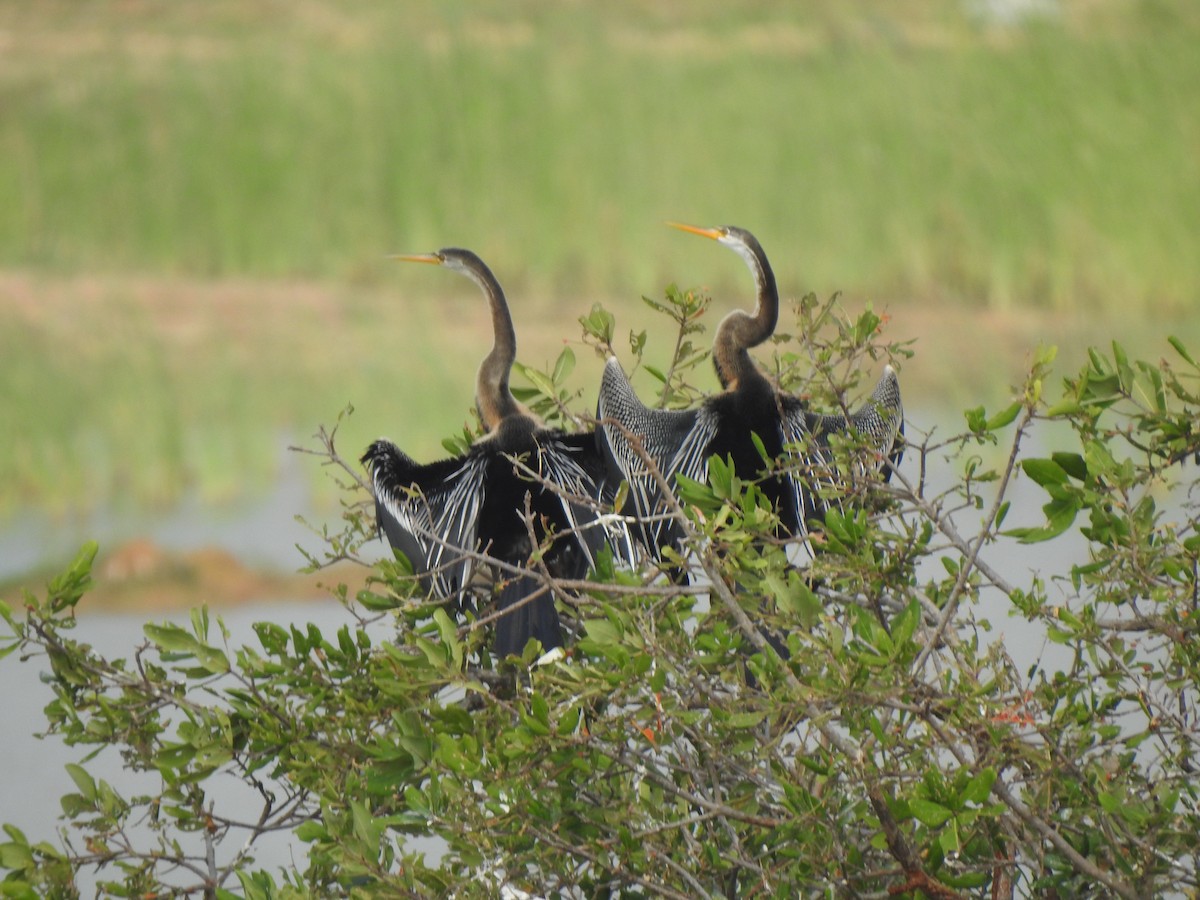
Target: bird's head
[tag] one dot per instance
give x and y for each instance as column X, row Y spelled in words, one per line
column 454, row 258
column 492, row 394
column 737, row 239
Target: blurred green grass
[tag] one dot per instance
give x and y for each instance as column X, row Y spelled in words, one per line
column 895, row 149
column 140, row 392
column 244, row 168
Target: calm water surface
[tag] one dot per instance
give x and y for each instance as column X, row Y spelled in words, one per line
column 33, row 777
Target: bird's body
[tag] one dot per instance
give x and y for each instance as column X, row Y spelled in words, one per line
column 680, row 442
column 447, row 517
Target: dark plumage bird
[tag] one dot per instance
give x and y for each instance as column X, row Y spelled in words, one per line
column 443, row 514
column 680, row 442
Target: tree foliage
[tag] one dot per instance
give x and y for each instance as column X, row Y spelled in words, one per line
column 857, row 727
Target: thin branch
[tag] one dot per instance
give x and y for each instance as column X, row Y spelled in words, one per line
column 972, row 554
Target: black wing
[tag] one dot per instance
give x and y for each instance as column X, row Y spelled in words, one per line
column 676, row 441
column 430, row 513
column 812, row 472
column 879, row 421
column 576, row 465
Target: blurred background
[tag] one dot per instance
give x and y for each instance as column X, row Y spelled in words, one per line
column 197, row 201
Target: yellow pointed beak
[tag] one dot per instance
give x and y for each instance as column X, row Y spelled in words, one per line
column 432, row 258
column 714, row 233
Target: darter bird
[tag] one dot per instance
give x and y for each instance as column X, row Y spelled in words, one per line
column 448, row 515
column 680, row 442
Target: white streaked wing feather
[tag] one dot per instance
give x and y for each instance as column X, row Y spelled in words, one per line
column 558, row 467
column 443, row 520
column 814, row 463
column 675, row 440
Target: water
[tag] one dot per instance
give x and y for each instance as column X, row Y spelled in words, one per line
column 262, row 531
column 33, row 776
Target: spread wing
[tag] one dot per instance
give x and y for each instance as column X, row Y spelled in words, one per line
column 430, row 513
column 813, row 477
column 879, row 422
column 881, row 419
column 676, row 441
column 572, row 461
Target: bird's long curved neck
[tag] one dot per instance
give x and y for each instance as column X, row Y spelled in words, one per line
column 739, row 331
column 493, row 396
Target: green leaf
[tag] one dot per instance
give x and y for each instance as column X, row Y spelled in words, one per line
column 170, row 637
column 83, row 780
column 720, row 476
column 1004, row 417
column 535, row 725
column 174, row 756
column 906, row 623
column 539, row 709
column 1181, row 350
column 1063, row 614
column 761, row 448
column 978, row 788
column 568, row 722
column 564, row 365
column 365, row 828
column 948, row 840
column 200, row 623
column 815, row 764
column 1044, row 471
column 1110, row 803
column 1071, row 463
column 377, row 602
column 746, row 719
column 65, row 590
column 657, row 373
column 928, row 812
column 212, row 659
column 1068, row 406
column 866, row 325
column 602, row 631
column 599, row 323
column 1124, row 372
column 1045, row 355
column 538, row 379
column 794, row 597
column 435, row 654
column 447, row 630
column 1098, row 458
column 976, row 420
column 16, row 857
column 1058, row 636
column 311, row 831
column 1156, row 384
column 622, row 496
column 1060, row 515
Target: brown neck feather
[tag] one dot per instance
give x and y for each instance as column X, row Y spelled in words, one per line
column 493, row 397
column 739, row 331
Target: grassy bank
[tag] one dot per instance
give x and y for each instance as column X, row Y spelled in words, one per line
column 895, row 151
column 142, row 390
column 196, row 201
